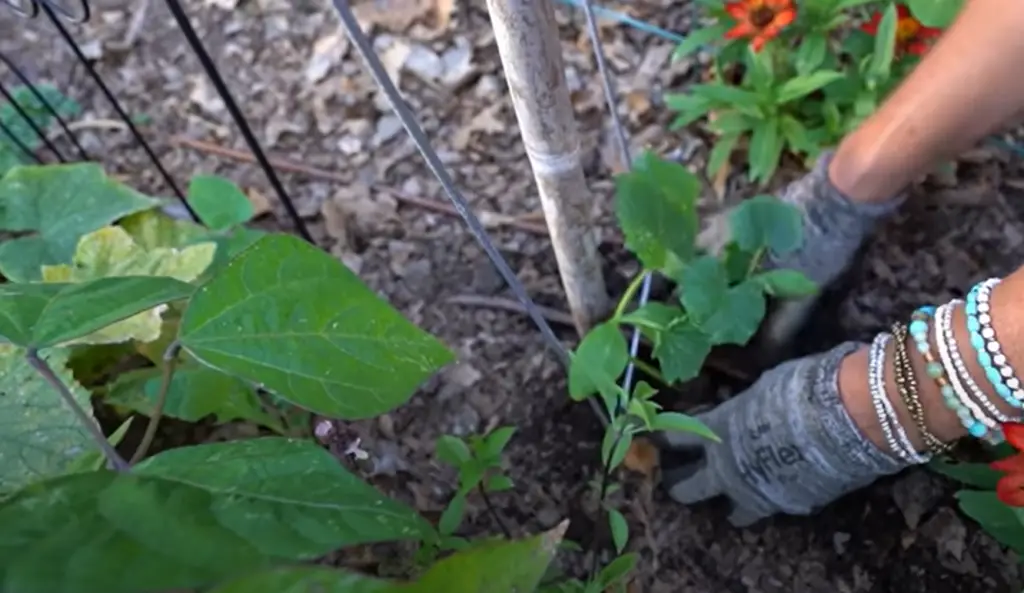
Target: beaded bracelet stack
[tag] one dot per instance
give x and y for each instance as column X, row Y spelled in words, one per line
column 960, row 392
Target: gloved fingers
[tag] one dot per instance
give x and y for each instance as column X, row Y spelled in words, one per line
column 786, row 321
column 713, row 239
column 692, row 482
column 743, row 517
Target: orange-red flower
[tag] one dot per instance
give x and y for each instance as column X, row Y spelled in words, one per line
column 1010, row 488
column 911, row 36
column 760, row 20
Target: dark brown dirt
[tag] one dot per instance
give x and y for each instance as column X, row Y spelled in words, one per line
column 901, row 535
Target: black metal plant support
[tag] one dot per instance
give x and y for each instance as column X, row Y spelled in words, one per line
column 31, row 123
column 236, row 114
column 23, row 79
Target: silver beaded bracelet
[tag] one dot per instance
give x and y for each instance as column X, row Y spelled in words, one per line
column 895, row 435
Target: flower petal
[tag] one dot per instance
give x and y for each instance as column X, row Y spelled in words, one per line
column 1010, row 490
column 929, row 33
column 784, row 18
column 1014, row 433
column 1010, row 465
column 871, row 27
column 917, row 48
column 738, row 10
column 902, row 12
column 759, row 42
column 742, row 29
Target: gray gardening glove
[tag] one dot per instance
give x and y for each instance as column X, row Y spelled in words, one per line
column 834, row 229
column 788, row 446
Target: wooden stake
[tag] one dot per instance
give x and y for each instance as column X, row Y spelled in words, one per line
column 531, row 55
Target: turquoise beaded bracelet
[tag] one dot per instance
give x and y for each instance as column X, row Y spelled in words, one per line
column 987, row 348
column 919, row 333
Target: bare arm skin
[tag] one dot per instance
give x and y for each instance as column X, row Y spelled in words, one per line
column 967, row 86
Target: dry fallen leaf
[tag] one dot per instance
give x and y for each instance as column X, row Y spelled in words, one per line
column 443, row 10
column 393, row 15
column 260, row 203
column 487, row 121
column 327, row 51
column 642, row 457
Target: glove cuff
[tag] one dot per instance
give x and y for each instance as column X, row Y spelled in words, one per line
column 830, row 219
column 843, row 444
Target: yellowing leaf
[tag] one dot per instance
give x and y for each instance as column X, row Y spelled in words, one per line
column 152, row 228
column 111, row 251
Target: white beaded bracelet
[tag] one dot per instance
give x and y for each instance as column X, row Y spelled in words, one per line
column 949, row 354
column 899, row 443
column 948, row 345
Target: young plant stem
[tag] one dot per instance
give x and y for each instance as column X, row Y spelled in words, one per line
column 43, row 368
column 627, row 297
column 650, row 370
column 494, row 511
column 170, row 362
column 606, row 478
column 755, row 262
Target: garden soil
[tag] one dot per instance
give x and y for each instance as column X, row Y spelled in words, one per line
column 371, row 202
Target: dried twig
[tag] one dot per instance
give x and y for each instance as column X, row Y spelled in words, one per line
column 522, row 223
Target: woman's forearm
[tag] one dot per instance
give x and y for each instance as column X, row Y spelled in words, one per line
column 967, row 86
column 1007, row 319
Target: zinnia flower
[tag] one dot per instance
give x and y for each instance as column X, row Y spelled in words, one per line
column 911, row 36
column 760, row 20
column 1010, row 488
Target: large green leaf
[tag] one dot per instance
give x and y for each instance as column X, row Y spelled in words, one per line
column 765, row 222
column 681, row 350
column 738, row 316
column 219, row 203
column 935, row 13
column 195, row 392
column 978, row 475
column 57, row 204
column 656, row 208
column 290, row 317
column 704, row 284
column 489, row 567
column 39, row 435
column 597, row 362
column 1002, row 522
column 38, row 315
column 191, row 517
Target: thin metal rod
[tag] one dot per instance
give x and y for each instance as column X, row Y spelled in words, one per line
column 31, row 123
column 236, row 114
column 17, row 142
column 118, row 108
column 620, row 133
column 373, row 63
column 49, row 106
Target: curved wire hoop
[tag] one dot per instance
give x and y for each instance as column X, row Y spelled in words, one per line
column 30, row 9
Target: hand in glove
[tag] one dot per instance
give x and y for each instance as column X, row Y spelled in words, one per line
column 834, row 229
column 788, row 443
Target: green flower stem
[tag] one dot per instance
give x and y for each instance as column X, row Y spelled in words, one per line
column 170, row 362
column 627, row 297
column 650, row 370
column 41, row 366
